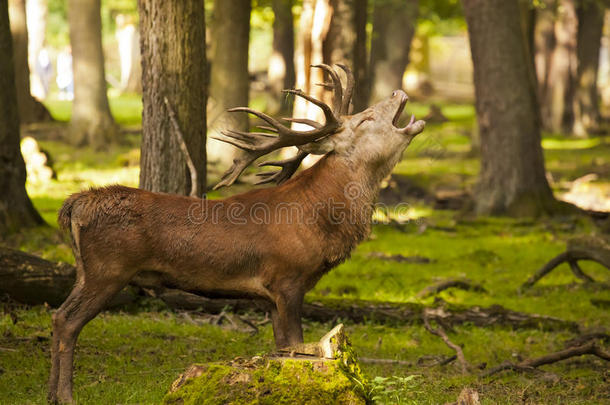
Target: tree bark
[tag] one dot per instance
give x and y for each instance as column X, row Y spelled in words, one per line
column 281, row 65
column 16, row 209
column 586, row 98
column 393, row 30
column 30, row 109
column 512, row 178
column 230, row 81
column 173, row 66
column 91, row 122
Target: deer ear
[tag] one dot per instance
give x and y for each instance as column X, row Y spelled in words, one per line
column 321, row 147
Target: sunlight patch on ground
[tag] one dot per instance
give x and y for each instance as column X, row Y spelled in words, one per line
column 559, row 144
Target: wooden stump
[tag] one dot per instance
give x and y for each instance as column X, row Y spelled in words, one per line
column 299, row 379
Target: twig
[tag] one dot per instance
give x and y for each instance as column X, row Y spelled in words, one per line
column 181, row 141
column 463, row 284
column 249, row 323
column 530, row 364
column 441, row 333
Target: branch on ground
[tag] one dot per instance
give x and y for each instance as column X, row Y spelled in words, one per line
column 440, row 332
column 529, row 364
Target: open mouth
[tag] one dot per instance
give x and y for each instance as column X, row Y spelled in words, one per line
column 401, row 107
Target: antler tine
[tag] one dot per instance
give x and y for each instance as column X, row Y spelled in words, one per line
column 337, row 87
column 305, row 121
column 349, row 88
column 268, row 119
column 238, row 166
column 328, row 113
column 289, row 167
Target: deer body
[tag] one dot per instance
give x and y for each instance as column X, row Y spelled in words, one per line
column 272, row 243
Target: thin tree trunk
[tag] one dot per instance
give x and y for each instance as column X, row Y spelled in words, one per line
column 128, row 38
column 36, row 12
column 281, row 65
column 544, row 44
column 557, row 114
column 230, row 81
column 91, row 122
column 30, row 109
column 393, row 30
column 16, row 209
column 313, row 29
column 173, row 66
column 586, row 98
column 361, row 69
column 512, row 177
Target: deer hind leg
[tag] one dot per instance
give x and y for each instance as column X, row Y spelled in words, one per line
column 86, row 300
column 286, row 319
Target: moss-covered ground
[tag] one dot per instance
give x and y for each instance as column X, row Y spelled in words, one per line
column 132, row 355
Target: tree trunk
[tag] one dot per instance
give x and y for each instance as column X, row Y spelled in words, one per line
column 557, row 100
column 281, row 65
column 230, row 81
column 331, row 31
column 36, row 12
column 173, row 66
column 345, row 42
column 586, row 98
column 30, row 109
column 361, row 69
column 91, row 122
column 16, row 209
column 512, row 177
column 393, row 30
column 128, row 38
column 544, row 44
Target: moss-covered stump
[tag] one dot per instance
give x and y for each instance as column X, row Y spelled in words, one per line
column 299, row 379
column 265, row 381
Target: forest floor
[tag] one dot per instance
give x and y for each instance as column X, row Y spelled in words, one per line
column 132, row 355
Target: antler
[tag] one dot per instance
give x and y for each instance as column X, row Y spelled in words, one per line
column 257, row 144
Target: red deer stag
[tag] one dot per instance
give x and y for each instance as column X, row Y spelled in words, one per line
column 272, row 243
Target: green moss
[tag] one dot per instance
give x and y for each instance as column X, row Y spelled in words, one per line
column 269, row 381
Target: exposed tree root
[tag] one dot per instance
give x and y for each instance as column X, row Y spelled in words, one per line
column 463, row 284
column 595, row 248
column 527, row 365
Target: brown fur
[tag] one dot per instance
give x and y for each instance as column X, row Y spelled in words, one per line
column 272, row 243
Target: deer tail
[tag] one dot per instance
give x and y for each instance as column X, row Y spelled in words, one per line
column 64, row 217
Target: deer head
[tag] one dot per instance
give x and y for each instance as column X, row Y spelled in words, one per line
column 369, row 139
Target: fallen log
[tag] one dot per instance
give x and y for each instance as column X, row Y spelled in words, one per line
column 31, row 280
column 594, row 248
